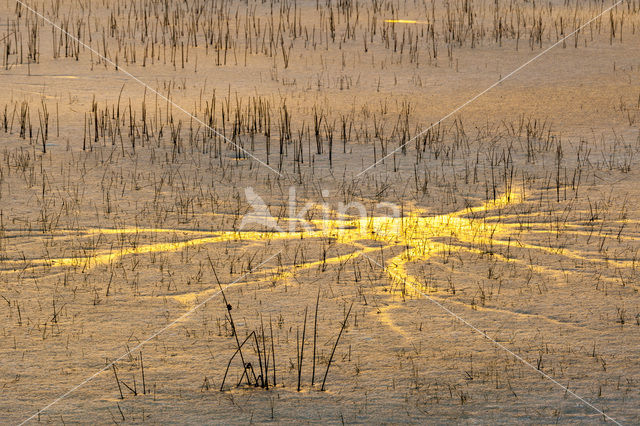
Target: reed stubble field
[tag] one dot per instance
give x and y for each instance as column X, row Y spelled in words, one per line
column 481, row 269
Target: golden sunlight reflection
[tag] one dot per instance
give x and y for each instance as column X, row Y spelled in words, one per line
column 404, row 21
column 416, row 237
column 414, row 231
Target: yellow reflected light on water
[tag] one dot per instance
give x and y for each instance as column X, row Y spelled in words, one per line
column 416, row 237
column 404, row 21
column 418, row 233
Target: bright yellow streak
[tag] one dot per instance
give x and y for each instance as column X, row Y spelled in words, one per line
column 413, row 231
column 119, row 231
column 404, row 21
column 420, row 235
column 108, row 257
